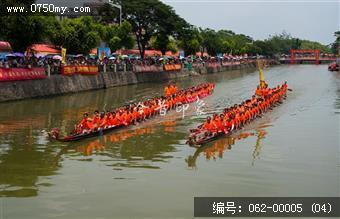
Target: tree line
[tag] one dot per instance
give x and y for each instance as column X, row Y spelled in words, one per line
column 147, row 24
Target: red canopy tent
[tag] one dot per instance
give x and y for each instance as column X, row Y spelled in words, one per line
column 44, row 49
column 5, row 46
column 147, row 52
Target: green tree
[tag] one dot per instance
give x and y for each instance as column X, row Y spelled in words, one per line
column 251, row 49
column 191, row 40
column 169, row 29
column 149, row 18
column 172, row 46
column 266, row 47
column 296, row 44
column 158, row 43
column 119, row 36
column 336, row 45
column 212, row 42
column 23, row 31
column 307, row 44
column 281, row 43
column 228, row 43
column 78, row 35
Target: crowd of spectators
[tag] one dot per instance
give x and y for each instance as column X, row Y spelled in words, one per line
column 119, row 61
column 22, row 62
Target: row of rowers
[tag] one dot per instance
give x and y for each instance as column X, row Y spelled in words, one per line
column 239, row 115
column 133, row 113
column 264, row 90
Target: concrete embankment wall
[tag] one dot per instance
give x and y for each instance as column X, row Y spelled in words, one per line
column 58, row 84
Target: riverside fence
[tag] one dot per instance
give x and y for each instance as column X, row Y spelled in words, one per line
column 17, row 74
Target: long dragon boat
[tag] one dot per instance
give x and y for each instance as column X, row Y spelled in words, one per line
column 201, row 91
column 234, row 118
column 202, row 136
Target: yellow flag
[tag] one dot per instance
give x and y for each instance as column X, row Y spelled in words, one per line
column 262, row 82
column 63, row 55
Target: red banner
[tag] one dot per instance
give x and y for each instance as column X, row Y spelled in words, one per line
column 87, row 70
column 19, row 74
column 172, row 67
column 68, row 70
column 83, row 69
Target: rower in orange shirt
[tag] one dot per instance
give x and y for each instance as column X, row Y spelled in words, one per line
column 209, row 126
column 113, row 119
column 247, row 115
column 103, row 122
column 136, row 115
column 125, row 118
column 84, row 126
column 237, row 120
column 169, row 90
column 96, row 120
column 258, row 91
column 228, row 126
column 173, row 89
column 131, row 117
column 218, row 122
column 166, row 91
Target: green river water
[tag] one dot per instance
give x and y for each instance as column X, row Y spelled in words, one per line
column 148, row 171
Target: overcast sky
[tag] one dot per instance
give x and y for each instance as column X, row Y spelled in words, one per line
column 307, row 19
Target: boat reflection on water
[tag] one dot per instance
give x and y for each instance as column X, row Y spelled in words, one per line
column 258, row 146
column 217, row 149
column 136, row 148
column 99, row 144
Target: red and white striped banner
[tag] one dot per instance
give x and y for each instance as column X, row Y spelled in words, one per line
column 20, row 74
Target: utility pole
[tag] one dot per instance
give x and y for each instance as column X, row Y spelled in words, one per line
column 120, row 10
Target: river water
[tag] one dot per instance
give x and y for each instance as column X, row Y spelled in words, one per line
column 148, row 170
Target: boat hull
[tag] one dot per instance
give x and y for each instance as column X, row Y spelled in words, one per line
column 87, row 135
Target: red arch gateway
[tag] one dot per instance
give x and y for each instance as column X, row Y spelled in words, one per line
column 316, row 53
